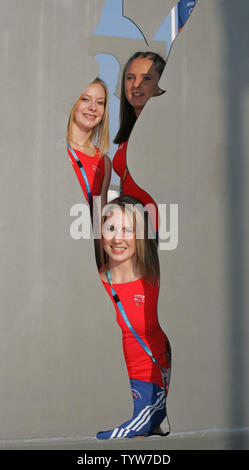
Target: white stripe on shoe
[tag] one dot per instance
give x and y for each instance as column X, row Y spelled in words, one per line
column 144, row 416
column 112, row 436
column 152, row 412
column 149, row 412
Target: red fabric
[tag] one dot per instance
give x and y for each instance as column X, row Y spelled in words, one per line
column 94, row 168
column 139, row 300
column 129, row 187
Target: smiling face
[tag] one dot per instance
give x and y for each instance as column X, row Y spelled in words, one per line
column 141, row 83
column 119, row 240
column 89, row 109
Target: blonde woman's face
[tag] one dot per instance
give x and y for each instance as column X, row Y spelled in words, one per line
column 119, row 240
column 90, row 107
column 141, row 83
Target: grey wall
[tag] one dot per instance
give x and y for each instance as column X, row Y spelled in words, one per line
column 56, row 363
column 62, row 370
column 195, row 151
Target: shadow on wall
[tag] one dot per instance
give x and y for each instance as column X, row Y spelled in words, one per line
column 237, row 83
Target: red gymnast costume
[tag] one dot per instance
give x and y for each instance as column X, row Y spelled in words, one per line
column 128, row 185
column 91, row 167
column 139, row 301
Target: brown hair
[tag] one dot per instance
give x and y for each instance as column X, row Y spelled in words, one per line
column 146, row 247
column 127, row 113
column 100, row 134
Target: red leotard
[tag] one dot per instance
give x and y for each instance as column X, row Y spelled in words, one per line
column 128, row 185
column 139, row 300
column 94, row 168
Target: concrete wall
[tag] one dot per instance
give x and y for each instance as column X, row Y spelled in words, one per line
column 62, row 369
column 56, row 363
column 195, row 152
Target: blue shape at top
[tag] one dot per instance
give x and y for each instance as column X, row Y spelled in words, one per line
column 113, row 23
column 164, row 30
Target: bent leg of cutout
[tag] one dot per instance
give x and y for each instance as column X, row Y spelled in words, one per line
column 149, row 412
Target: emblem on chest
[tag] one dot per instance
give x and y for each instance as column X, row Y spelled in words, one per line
column 139, row 299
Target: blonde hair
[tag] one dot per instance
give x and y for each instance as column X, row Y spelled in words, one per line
column 100, row 133
column 146, row 248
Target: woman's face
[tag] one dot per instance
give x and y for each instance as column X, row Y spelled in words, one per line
column 90, row 107
column 141, row 83
column 119, row 240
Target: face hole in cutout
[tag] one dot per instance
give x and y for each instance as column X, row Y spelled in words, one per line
column 126, row 240
column 88, row 123
column 140, row 79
